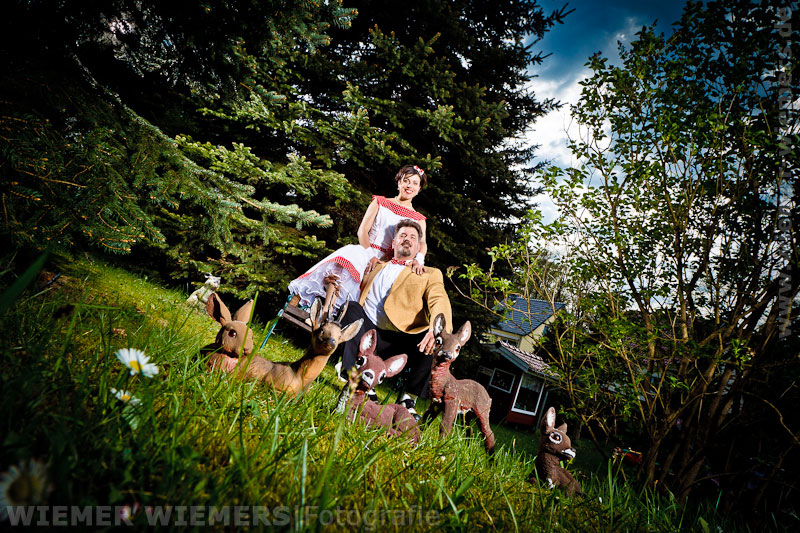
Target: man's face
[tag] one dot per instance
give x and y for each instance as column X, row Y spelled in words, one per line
column 406, row 243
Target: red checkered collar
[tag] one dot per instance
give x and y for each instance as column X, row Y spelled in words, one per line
column 398, row 209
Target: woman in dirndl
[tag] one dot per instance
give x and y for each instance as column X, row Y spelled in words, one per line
column 346, row 266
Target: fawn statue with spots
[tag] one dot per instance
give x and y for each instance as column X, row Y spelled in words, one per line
column 371, row 370
column 451, row 396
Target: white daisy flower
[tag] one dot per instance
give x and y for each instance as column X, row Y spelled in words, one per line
column 137, row 361
column 125, row 396
column 127, row 512
column 23, row 485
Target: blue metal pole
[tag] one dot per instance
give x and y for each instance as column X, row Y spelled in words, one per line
column 277, row 318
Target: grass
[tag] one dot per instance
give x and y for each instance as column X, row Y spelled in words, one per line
column 203, row 439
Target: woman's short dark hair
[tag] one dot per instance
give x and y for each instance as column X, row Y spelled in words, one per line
column 410, row 170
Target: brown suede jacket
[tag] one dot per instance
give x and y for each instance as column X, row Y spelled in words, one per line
column 413, row 299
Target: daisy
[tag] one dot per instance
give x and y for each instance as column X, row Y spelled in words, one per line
column 23, row 485
column 127, row 512
column 125, row 396
column 137, row 361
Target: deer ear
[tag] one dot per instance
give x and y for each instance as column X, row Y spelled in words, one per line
column 562, row 428
column 395, row 364
column 464, row 333
column 342, row 311
column 366, row 346
column 217, row 310
column 438, row 324
column 243, row 313
column 351, row 331
column 316, row 313
column 549, row 420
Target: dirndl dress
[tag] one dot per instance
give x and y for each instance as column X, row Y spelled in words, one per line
column 349, row 262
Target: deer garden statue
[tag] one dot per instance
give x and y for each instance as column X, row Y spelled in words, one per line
column 370, row 371
column 554, row 445
column 451, row 395
column 234, row 344
column 201, row 295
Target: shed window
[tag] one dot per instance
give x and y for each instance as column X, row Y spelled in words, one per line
column 528, row 395
column 502, row 380
column 484, row 375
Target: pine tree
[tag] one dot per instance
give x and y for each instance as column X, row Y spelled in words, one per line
column 221, row 131
column 439, row 84
column 82, row 167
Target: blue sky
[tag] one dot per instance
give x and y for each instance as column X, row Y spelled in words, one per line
column 592, row 27
column 596, row 26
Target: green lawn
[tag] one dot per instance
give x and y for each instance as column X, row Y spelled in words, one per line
column 210, row 441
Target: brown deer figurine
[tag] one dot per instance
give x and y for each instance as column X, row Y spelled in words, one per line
column 554, row 445
column 451, row 395
column 234, row 344
column 370, row 371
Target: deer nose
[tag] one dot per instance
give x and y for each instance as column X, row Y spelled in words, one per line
column 368, row 377
column 331, row 343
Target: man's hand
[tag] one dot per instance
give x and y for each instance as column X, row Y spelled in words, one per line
column 416, row 268
column 371, row 265
column 427, row 343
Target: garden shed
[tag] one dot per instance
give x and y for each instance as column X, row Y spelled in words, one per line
column 526, row 319
column 518, row 384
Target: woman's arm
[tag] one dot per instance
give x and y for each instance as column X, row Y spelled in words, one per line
column 423, row 242
column 366, row 224
column 416, row 266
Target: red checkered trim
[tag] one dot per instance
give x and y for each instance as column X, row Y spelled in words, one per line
column 340, row 261
column 398, row 209
column 382, row 249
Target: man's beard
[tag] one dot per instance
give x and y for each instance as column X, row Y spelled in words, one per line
column 404, row 251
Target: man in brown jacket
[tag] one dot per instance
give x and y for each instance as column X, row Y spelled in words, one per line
column 400, row 304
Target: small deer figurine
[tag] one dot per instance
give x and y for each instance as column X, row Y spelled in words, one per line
column 371, row 370
column 554, row 445
column 451, row 395
column 202, row 294
column 234, row 343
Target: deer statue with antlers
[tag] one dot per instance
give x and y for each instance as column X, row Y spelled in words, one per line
column 452, row 396
column 554, row 446
column 232, row 349
column 370, row 371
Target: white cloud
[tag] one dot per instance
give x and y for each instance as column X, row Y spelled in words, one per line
column 553, row 131
column 625, row 34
